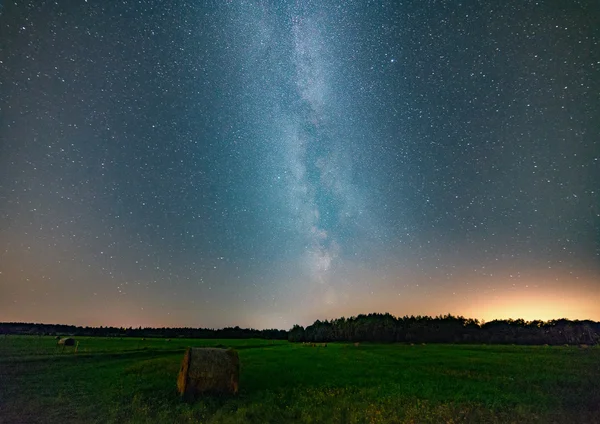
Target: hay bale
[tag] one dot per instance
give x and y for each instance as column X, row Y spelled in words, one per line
column 356, row 344
column 208, row 371
column 67, row 341
column 583, row 346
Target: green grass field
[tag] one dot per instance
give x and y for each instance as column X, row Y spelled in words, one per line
column 134, row 381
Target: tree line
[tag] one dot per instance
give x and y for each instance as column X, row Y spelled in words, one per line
column 374, row 327
column 149, row 332
column 447, row 329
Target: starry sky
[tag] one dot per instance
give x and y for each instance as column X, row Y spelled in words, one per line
column 268, row 163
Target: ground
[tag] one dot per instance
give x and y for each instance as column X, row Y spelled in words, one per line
column 113, row 380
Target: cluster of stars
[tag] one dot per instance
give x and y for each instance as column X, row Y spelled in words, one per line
column 279, row 162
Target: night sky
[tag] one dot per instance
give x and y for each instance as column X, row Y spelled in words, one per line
column 264, row 164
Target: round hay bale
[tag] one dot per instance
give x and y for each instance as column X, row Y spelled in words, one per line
column 356, row 344
column 208, row 371
column 67, row 341
column 583, row 346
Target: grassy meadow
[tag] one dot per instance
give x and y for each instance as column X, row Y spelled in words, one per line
column 129, row 380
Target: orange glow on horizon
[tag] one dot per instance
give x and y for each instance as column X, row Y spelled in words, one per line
column 531, row 307
column 564, row 298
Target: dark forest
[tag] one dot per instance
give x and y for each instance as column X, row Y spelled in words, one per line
column 362, row 328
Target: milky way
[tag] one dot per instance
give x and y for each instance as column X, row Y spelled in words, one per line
column 270, row 163
column 313, row 165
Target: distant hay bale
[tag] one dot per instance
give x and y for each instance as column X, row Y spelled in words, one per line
column 208, row 371
column 423, row 344
column 67, row 341
column 357, row 344
column 412, row 344
column 583, row 346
